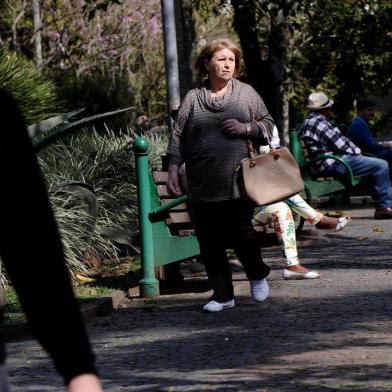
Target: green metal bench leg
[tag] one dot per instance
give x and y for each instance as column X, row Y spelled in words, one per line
column 149, row 285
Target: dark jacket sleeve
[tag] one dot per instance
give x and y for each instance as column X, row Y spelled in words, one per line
column 360, row 134
column 32, row 253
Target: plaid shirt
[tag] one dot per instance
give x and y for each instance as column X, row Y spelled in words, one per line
column 321, row 137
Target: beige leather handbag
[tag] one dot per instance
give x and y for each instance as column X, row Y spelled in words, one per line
column 271, row 177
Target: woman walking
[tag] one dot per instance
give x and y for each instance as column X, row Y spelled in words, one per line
column 210, row 135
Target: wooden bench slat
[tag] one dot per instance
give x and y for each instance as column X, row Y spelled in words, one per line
column 162, row 192
column 180, row 217
column 159, row 177
column 184, row 233
column 180, row 207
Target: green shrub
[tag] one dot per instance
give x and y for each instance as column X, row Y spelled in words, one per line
column 35, row 93
column 105, row 162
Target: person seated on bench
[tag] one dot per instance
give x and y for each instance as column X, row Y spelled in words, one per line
column 220, row 116
column 279, row 217
column 360, row 134
column 321, row 137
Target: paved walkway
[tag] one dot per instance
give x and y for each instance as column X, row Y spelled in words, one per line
column 322, row 335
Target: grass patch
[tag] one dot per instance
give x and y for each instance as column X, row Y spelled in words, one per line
column 91, row 291
column 14, row 318
column 12, row 304
column 110, row 277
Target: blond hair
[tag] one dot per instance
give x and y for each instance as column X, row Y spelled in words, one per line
column 208, row 50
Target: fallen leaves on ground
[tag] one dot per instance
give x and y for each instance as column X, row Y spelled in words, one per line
column 84, row 279
column 334, row 214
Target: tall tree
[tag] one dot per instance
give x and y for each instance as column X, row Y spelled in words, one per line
column 263, row 28
column 349, row 52
column 245, row 24
column 292, row 48
column 37, row 33
column 186, row 36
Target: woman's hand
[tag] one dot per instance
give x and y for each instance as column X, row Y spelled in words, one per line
column 85, row 383
column 234, row 127
column 172, row 184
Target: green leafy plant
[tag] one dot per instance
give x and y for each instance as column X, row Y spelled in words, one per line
column 104, row 162
column 63, row 127
column 35, row 93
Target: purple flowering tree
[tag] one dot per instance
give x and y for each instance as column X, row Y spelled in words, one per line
column 103, row 54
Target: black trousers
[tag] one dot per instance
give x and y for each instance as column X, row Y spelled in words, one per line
column 227, row 225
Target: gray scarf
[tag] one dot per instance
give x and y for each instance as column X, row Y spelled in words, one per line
column 219, row 104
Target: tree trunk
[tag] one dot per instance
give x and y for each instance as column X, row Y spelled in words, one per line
column 276, row 70
column 2, row 296
column 244, row 24
column 17, row 15
column 37, row 33
column 266, row 76
column 185, row 30
column 284, row 131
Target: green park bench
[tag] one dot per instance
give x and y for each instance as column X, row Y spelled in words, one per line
column 317, row 186
column 165, row 224
column 166, row 233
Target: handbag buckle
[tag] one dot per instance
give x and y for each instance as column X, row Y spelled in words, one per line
column 252, row 163
column 276, row 156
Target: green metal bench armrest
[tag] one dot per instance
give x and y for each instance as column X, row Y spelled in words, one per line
column 168, row 206
column 352, row 179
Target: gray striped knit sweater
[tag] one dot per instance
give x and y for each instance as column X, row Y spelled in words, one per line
column 210, row 155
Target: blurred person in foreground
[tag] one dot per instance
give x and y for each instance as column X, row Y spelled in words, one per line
column 31, row 250
column 210, row 135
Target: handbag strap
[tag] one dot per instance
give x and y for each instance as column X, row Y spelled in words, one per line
column 251, row 149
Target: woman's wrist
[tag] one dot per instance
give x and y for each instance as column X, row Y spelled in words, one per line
column 248, row 129
column 173, row 168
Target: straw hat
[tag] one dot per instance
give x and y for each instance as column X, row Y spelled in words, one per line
column 318, row 101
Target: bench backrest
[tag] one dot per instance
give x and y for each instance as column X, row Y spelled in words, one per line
column 178, row 218
column 296, row 148
column 317, row 185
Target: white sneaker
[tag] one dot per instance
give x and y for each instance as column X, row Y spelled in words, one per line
column 259, row 289
column 214, row 306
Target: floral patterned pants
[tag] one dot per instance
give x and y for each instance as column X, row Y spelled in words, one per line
column 279, row 217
